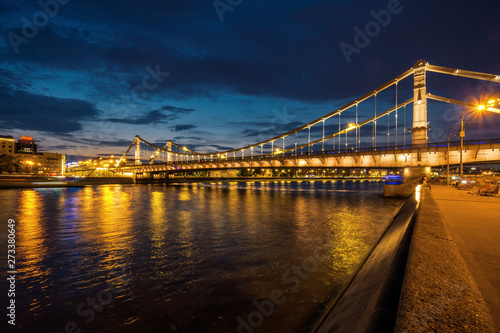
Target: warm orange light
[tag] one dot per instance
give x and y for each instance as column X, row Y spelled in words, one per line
column 481, row 107
column 27, row 138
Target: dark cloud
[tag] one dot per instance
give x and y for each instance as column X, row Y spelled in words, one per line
column 152, row 117
column 184, row 127
column 195, row 138
column 271, row 130
column 110, row 143
column 175, row 109
column 91, row 142
column 288, row 50
column 221, row 148
column 203, row 148
column 23, row 110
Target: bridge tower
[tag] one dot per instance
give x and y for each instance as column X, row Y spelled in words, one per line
column 419, row 135
column 169, row 147
column 137, row 150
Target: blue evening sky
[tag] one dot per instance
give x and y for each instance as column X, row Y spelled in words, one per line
column 84, row 77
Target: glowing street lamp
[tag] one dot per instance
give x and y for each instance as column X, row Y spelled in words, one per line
column 31, row 166
column 489, row 106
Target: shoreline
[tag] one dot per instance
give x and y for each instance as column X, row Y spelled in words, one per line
column 12, row 182
column 57, row 182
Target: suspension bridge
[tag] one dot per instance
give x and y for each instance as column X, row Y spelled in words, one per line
column 355, row 142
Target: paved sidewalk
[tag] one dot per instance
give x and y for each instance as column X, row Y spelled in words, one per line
column 474, row 222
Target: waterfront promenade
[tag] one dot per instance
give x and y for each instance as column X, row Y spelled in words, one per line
column 474, row 222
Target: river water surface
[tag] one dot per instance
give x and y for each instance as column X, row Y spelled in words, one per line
column 227, row 257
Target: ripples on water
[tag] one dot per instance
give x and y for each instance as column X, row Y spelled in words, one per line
column 188, row 258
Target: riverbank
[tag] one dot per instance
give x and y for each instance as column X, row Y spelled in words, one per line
column 52, row 182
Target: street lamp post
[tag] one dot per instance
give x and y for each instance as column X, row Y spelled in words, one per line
column 462, row 135
column 448, row 161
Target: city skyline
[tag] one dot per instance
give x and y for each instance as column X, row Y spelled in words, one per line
column 215, row 76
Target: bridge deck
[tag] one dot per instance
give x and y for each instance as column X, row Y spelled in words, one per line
column 390, row 157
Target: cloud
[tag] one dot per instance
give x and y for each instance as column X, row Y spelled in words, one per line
column 110, row 143
column 195, row 138
column 175, row 109
column 218, row 147
column 207, row 148
column 271, row 130
column 184, row 127
column 152, row 117
column 26, row 111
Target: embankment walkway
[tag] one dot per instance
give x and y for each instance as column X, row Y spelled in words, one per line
column 474, row 223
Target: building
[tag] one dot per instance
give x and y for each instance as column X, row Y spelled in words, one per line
column 42, row 163
column 54, row 163
column 7, row 145
column 30, row 163
column 25, row 152
column 97, row 167
column 26, row 145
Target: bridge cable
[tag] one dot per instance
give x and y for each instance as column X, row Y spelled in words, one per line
column 357, row 129
column 295, row 144
column 339, row 130
column 374, row 126
column 396, row 115
column 388, row 129
column 323, row 139
column 404, row 126
column 309, row 140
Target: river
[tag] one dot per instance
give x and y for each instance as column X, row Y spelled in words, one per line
column 209, row 257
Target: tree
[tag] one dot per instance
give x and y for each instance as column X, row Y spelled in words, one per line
column 9, row 164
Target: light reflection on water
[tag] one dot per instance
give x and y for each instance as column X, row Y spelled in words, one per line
column 195, row 257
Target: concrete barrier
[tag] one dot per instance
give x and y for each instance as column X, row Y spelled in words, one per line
column 439, row 293
column 370, row 301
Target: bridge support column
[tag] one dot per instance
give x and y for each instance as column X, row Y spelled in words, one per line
column 419, row 135
column 169, row 147
column 137, row 150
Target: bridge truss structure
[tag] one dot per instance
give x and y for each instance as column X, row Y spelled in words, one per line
column 346, row 140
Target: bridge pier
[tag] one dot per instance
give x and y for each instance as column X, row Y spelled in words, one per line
column 169, row 148
column 137, row 150
column 419, row 131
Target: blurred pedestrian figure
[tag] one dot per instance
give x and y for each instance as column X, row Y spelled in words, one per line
column 424, row 181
